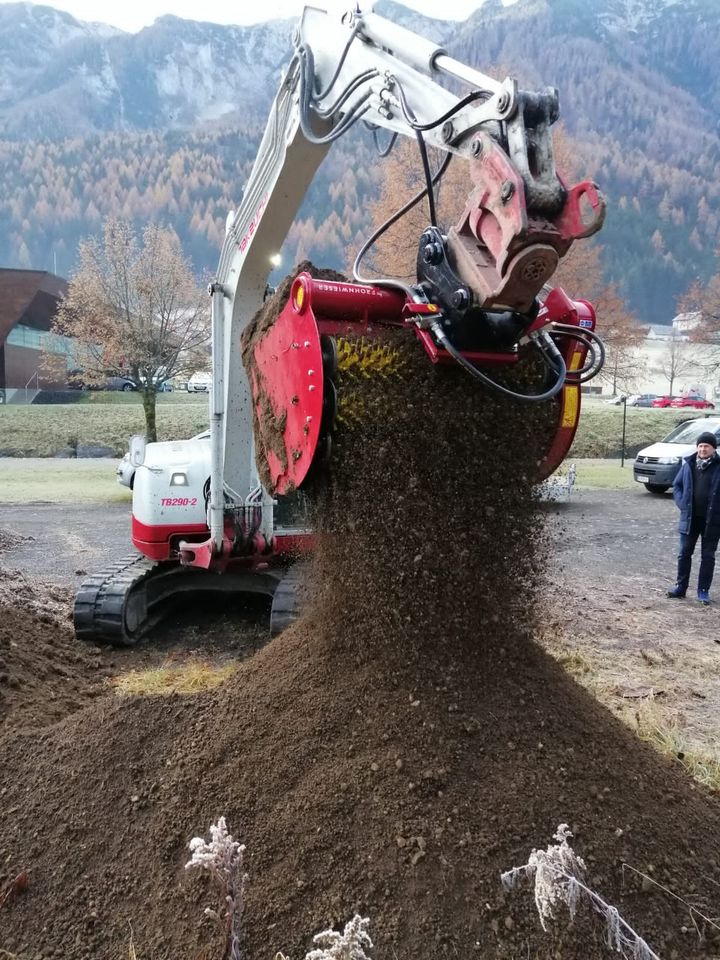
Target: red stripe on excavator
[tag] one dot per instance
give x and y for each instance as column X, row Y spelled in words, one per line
column 153, row 540
column 158, row 541
column 290, row 544
column 354, row 302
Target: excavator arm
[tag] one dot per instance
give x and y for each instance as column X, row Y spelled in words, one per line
column 484, row 275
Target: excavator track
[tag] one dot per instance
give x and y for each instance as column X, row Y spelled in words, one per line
column 288, row 600
column 102, row 613
column 121, row 604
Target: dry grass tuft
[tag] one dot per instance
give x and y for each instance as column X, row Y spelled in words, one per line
column 193, row 676
column 664, row 731
column 574, row 662
column 652, row 719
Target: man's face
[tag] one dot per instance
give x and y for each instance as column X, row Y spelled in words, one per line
column 705, row 450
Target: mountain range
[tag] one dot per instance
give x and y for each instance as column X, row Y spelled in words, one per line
column 164, row 124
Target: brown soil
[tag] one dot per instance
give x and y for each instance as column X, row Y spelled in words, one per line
column 44, row 673
column 391, row 754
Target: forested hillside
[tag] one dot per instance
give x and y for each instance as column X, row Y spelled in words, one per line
column 54, row 193
column 164, row 125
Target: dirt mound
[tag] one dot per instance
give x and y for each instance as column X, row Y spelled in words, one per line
column 44, row 673
column 9, row 539
column 391, row 754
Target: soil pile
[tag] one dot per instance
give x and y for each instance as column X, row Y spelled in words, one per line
column 9, row 539
column 44, row 673
column 391, row 754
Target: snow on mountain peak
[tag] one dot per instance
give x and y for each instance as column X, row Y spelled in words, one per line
column 632, row 15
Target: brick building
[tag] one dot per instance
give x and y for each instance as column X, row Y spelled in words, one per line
column 28, row 302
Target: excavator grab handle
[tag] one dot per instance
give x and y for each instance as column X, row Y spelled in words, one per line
column 584, row 211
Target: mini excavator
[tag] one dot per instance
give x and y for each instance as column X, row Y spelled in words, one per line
column 207, row 515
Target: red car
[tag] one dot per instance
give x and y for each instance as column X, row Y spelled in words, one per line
column 665, row 401
column 698, row 403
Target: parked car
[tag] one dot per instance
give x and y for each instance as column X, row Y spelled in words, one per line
column 199, row 382
column 77, row 381
column 119, row 383
column 698, row 403
column 634, row 399
column 165, row 387
column 125, row 471
column 657, row 465
column 664, row 401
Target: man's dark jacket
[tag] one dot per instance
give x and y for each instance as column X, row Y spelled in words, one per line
column 683, row 494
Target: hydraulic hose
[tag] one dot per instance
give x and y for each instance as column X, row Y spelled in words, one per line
column 412, row 119
column 553, row 391
column 389, row 281
column 594, row 345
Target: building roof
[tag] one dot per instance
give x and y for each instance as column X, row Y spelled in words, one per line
column 28, row 297
column 660, row 331
column 687, row 321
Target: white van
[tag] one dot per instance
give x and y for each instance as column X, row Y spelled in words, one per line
column 657, row 465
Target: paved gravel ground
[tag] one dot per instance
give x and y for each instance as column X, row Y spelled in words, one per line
column 66, row 541
column 608, row 532
column 619, row 532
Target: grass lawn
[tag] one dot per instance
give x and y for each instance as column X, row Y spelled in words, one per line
column 106, row 419
column 601, row 428
column 104, row 397
column 60, row 481
column 25, row 480
column 604, row 475
column 109, row 419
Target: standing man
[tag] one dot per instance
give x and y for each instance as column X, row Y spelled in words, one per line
column 697, row 493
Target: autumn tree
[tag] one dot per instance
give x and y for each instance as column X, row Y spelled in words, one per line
column 678, row 359
column 395, row 252
column 701, row 302
column 134, row 309
column 704, row 299
column 622, row 335
column 580, row 274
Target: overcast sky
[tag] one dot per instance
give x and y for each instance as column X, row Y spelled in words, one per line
column 132, row 15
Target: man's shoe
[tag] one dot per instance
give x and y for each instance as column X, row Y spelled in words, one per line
column 676, row 593
column 704, row 597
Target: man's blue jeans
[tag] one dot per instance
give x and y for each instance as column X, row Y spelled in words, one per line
column 707, row 556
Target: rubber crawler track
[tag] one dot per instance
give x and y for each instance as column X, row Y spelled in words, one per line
column 100, row 612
